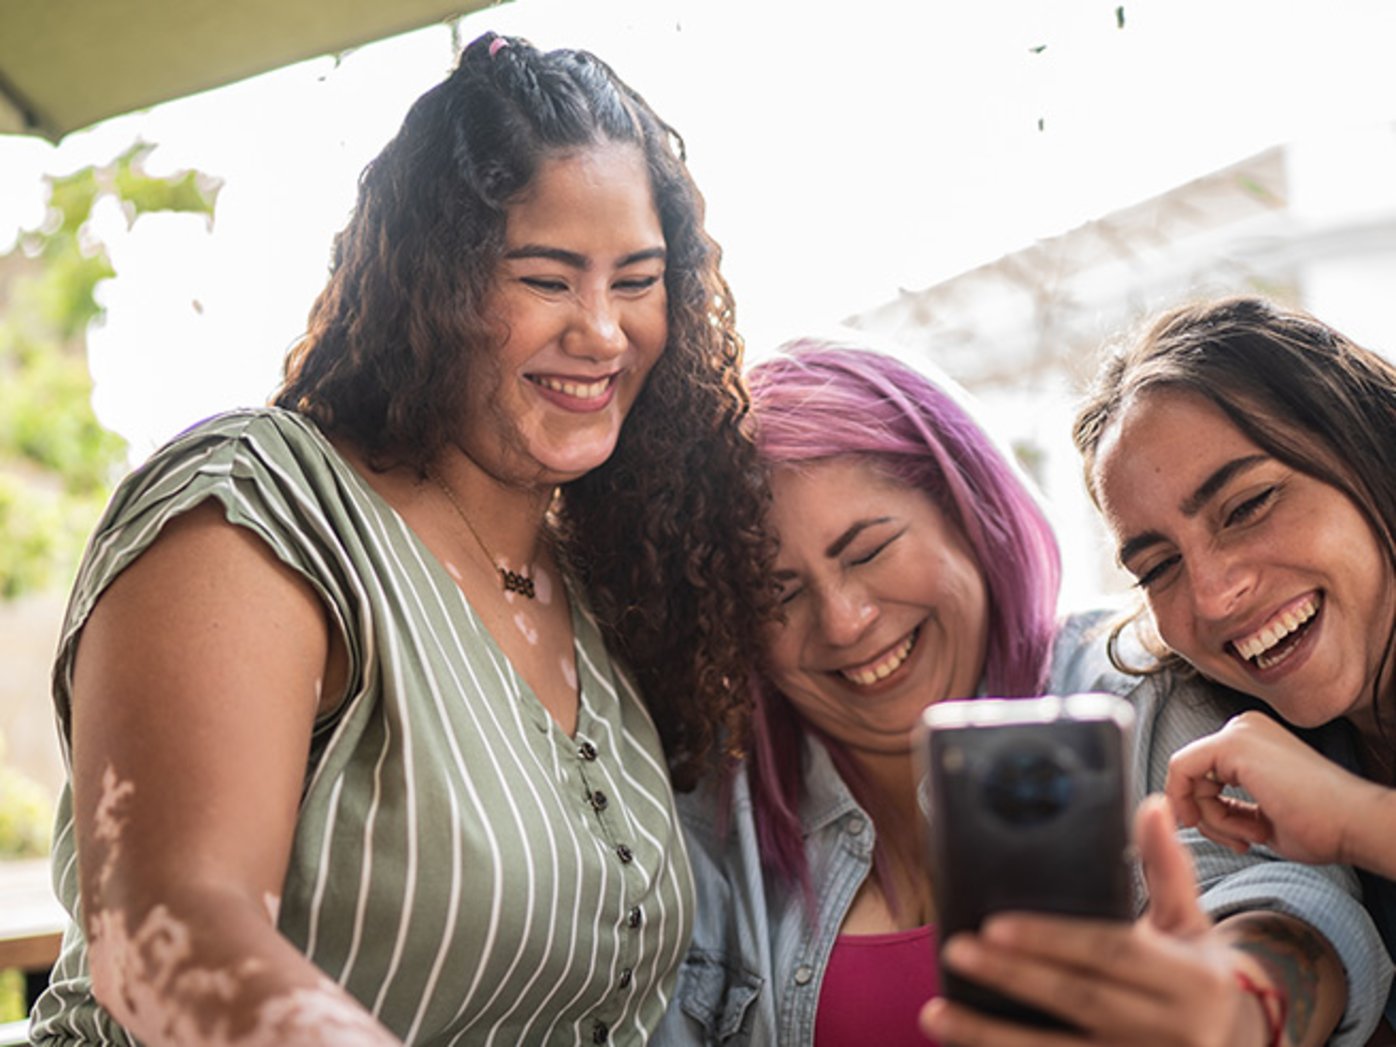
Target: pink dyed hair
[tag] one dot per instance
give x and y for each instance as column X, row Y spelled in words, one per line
column 819, row 399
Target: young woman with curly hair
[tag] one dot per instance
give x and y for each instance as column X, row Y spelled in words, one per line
column 367, row 694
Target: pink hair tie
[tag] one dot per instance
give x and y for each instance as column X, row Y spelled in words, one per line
column 497, row 44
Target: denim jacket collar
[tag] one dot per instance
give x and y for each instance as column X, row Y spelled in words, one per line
column 826, row 798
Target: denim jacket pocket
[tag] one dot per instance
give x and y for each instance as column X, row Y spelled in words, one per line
column 717, row 996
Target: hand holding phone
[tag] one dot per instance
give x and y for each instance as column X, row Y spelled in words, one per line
column 1026, row 807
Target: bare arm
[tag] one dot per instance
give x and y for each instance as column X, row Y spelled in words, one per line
column 196, row 684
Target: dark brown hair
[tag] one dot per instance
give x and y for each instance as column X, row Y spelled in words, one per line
column 1303, row 392
column 666, row 535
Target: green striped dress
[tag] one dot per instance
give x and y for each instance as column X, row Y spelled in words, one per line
column 460, row 865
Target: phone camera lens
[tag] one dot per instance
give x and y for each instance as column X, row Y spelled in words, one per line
column 1026, row 788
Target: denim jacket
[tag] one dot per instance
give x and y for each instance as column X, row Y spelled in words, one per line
column 753, row 973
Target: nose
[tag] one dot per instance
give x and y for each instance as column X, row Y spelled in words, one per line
column 846, row 611
column 1219, row 581
column 596, row 329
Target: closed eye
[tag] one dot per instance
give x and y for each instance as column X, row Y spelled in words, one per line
column 542, row 283
column 1157, row 571
column 1250, row 506
column 787, row 587
column 873, row 553
column 637, row 283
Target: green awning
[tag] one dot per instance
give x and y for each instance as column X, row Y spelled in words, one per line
column 66, row 64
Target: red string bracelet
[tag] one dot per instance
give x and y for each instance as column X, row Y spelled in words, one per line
column 1274, row 1005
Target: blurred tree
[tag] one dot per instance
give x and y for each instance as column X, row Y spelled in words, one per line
column 57, row 463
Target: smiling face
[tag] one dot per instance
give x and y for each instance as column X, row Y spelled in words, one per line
column 886, row 610
column 1265, row 578
column 580, row 297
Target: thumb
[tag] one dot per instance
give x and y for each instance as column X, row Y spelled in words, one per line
column 1168, row 871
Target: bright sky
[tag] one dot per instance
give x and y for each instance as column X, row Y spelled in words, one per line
column 844, row 151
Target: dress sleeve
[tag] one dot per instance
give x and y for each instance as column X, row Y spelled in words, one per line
column 271, row 473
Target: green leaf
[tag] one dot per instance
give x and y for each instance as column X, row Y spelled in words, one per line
column 141, row 194
column 57, row 462
column 66, row 292
column 70, row 201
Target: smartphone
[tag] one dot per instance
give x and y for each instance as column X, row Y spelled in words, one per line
column 1026, row 806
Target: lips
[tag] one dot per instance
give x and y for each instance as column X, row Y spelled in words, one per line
column 1274, row 641
column 575, row 388
column 883, row 666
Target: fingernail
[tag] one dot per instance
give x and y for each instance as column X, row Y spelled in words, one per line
column 933, row 1018
column 997, row 929
column 960, row 952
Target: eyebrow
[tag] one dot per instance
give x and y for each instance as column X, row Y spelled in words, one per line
column 579, row 261
column 1208, row 488
column 1193, row 503
column 840, row 543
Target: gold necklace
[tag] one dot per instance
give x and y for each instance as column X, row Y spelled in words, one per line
column 512, row 581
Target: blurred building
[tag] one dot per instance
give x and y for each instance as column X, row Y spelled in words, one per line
column 1311, row 222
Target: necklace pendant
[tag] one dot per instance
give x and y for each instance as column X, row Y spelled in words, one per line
column 515, row 582
column 512, row 581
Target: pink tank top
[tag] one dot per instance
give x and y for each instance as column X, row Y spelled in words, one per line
column 874, row 989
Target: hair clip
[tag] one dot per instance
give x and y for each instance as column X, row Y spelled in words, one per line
column 497, row 45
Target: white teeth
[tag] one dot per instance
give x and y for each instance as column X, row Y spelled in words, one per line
column 1263, row 639
column 577, row 390
column 884, row 668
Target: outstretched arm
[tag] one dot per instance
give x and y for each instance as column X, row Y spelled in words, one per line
column 1306, row 807
column 1170, row 978
column 196, row 683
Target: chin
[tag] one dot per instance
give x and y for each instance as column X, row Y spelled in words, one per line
column 572, row 463
column 1305, row 716
column 897, row 745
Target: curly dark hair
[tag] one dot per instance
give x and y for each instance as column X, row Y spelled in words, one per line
column 1303, row 392
column 666, row 536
